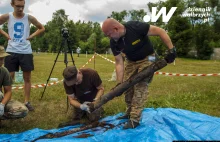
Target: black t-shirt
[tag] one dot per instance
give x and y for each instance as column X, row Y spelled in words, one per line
column 86, row 91
column 135, row 44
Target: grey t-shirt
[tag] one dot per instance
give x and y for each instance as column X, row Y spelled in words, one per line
column 5, row 78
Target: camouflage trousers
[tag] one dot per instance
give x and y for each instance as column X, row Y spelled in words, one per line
column 13, row 109
column 136, row 96
column 94, row 116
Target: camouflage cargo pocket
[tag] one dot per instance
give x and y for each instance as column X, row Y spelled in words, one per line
column 15, row 109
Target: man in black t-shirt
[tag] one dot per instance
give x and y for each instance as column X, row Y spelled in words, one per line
column 83, row 86
column 131, row 40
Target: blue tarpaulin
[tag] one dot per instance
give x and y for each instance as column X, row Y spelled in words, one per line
column 162, row 124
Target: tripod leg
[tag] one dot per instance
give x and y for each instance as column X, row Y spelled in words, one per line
column 65, row 54
column 70, row 51
column 52, row 68
column 65, row 60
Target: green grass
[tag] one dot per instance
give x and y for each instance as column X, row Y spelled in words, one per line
column 200, row 94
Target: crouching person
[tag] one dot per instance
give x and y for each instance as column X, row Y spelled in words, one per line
column 9, row 109
column 82, row 86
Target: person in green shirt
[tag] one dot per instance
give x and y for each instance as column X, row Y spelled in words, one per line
column 9, row 109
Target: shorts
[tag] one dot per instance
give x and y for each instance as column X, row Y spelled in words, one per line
column 14, row 60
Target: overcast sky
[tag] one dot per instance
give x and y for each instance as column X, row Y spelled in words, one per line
column 87, row 10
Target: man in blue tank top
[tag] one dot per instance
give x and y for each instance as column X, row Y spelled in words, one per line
column 19, row 46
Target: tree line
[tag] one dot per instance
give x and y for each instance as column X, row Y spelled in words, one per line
column 187, row 33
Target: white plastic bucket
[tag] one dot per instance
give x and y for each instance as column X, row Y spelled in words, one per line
column 19, row 77
column 53, row 79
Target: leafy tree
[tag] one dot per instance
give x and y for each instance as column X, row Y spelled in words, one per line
column 3, row 40
column 119, row 16
column 181, row 36
column 92, row 43
column 105, row 44
column 208, row 31
column 185, row 32
column 59, row 17
column 38, row 42
column 73, row 35
column 158, row 45
column 84, row 46
column 203, row 38
column 137, row 15
column 53, row 36
column 99, row 35
column 53, row 28
column 178, row 28
column 215, row 4
column 84, row 30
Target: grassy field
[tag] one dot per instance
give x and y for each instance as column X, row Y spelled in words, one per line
column 200, row 94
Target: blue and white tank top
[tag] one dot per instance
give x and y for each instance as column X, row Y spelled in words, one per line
column 19, row 31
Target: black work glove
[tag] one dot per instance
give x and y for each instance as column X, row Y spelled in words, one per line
column 170, row 55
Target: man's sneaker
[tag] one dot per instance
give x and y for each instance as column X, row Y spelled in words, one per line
column 131, row 125
column 29, row 106
column 126, row 116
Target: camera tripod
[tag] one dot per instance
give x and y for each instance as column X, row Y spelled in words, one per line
column 64, row 41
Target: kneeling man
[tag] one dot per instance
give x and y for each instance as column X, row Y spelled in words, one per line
column 83, row 86
column 9, row 109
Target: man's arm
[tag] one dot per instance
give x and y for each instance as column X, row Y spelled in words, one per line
column 73, row 101
column 5, row 34
column 7, row 94
column 119, row 66
column 4, row 18
column 77, row 104
column 99, row 93
column 156, row 31
column 40, row 27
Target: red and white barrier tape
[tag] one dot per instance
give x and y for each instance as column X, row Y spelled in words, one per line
column 52, row 83
column 88, row 61
column 169, row 74
column 37, row 86
column 160, row 73
column 178, row 74
column 105, row 58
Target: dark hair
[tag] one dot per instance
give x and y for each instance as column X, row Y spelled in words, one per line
column 12, row 1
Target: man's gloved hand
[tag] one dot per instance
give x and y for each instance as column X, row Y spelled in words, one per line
column 2, row 107
column 171, row 55
column 85, row 106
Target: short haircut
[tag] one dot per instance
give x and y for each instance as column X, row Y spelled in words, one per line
column 12, row 1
